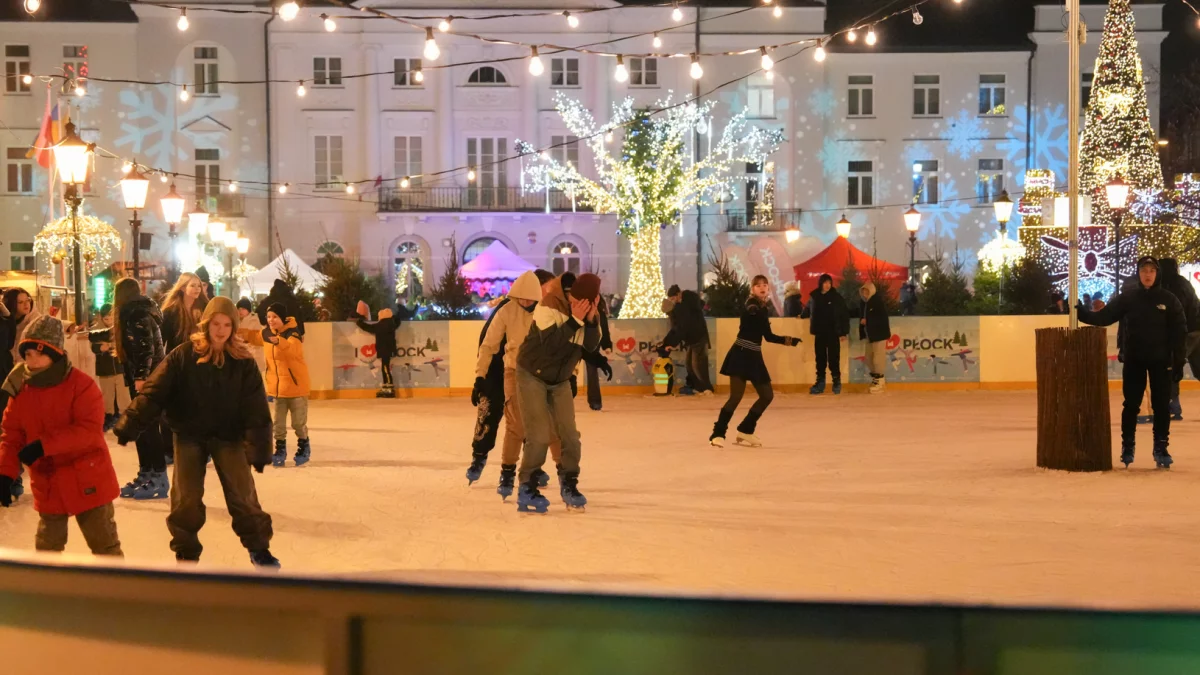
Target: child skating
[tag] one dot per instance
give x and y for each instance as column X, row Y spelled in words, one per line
column 384, row 331
column 287, row 381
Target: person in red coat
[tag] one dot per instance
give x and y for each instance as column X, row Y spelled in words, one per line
column 54, row 424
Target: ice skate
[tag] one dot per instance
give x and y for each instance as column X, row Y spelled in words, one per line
column 529, row 499
column 542, row 478
column 264, row 559
column 280, row 457
column 475, row 470
column 1162, row 458
column 818, row 388
column 571, row 495
column 508, row 475
column 717, row 441
column 877, row 386
column 1127, row 454
column 837, row 385
column 720, row 428
column 748, row 440
column 303, row 452
column 130, row 487
column 156, row 487
column 745, row 430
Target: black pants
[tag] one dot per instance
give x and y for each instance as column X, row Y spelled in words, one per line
column 829, row 354
column 151, row 450
column 593, row 387
column 1193, row 358
column 1133, row 385
column 697, row 367
column 386, row 367
column 488, row 414
column 737, row 389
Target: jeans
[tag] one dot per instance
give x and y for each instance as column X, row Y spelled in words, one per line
column 546, row 407
column 187, row 516
column 697, row 365
column 98, row 525
column 151, row 449
column 593, row 387
column 829, row 354
column 1133, row 385
column 298, row 406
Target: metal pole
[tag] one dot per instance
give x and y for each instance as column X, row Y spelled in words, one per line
column 173, row 270
column 135, row 227
column 1073, row 168
column 912, row 262
column 74, row 200
column 1117, row 218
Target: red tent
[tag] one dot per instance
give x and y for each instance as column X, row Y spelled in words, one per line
column 832, row 260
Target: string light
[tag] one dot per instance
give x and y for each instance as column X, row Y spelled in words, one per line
column 871, row 38
column 404, row 183
column 572, row 20
column 431, row 49
column 32, row 6
column 697, row 71
column 917, row 18
column 622, row 73
column 418, row 76
column 536, row 67
column 657, row 42
column 284, row 188
column 766, row 2
column 300, row 90
column 770, row 75
column 851, row 35
column 608, row 136
column 182, row 24
column 777, row 12
column 819, row 54
column 126, row 167
column 470, row 175
column 183, row 93
column 958, row 2
column 233, row 186
column 27, row 79
column 444, row 24
column 767, row 62
column 330, row 24
column 289, row 10
column 349, row 188
column 677, row 14
column 79, row 90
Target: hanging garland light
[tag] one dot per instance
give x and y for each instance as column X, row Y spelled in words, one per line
column 97, row 241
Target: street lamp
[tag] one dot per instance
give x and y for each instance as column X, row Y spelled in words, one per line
column 231, row 245
column 1117, row 194
column 843, row 227
column 134, row 187
column 912, row 223
column 172, row 208
column 71, row 155
column 1004, row 208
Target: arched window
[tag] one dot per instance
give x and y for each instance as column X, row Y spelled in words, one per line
column 408, row 265
column 476, row 247
column 330, row 248
column 487, row 75
column 565, row 257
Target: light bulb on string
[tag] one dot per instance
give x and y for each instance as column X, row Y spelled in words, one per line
column 958, row 2
column 621, row 73
column 657, row 42
column 819, row 55
column 767, row 62
column 283, row 189
column 770, row 74
column 163, row 178
column 677, row 14
column 544, row 156
column 182, row 23
column 444, row 24
column 80, row 90
column 330, row 24
column 766, row 2
column 126, row 167
column 349, row 188
column 404, row 183
column 27, row 79
column 233, row 186
column 851, row 35
column 183, row 93
column 32, row 6
column 470, row 175
column 418, row 76
column 917, row 18
column 572, row 20
column 289, row 10
column 431, row 48
column 300, row 90
column 696, row 70
column 777, row 12
column 871, row 38
column 536, row 67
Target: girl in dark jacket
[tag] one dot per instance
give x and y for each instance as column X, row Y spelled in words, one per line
column 137, row 337
column 744, row 363
column 213, row 397
column 829, row 324
column 384, row 331
column 875, row 330
column 181, row 310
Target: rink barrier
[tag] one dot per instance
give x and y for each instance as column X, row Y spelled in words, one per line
column 437, row 359
column 72, row 614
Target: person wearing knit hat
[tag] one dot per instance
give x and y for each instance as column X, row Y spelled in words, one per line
column 216, row 406
column 384, row 331
column 287, row 382
column 54, row 424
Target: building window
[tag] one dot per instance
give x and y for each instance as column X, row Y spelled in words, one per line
column 564, row 72
column 407, row 159
column 565, row 258
column 476, row 247
column 205, row 68
column 208, row 178
column 491, row 174
column 991, row 95
column 860, row 184
column 927, row 95
column 409, row 267
column 75, row 66
column 327, row 156
column 861, row 96
column 327, row 71
column 21, row 256
column 754, row 181
column 1085, row 93
column 486, row 75
column 20, row 172
column 16, row 65
column 925, row 181
column 760, row 96
column 643, row 72
column 330, row 249
column 990, row 181
column 565, row 149
column 404, row 72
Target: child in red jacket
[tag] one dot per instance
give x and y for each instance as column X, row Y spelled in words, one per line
column 54, row 424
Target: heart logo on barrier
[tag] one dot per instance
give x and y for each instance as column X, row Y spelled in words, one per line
column 893, row 342
column 626, row 345
column 367, row 351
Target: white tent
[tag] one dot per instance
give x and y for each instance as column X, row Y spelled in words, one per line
column 495, row 262
column 261, row 281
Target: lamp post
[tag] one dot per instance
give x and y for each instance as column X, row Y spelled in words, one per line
column 172, row 208
column 1117, row 194
column 912, row 223
column 231, row 245
column 71, row 155
column 1003, row 207
column 843, row 227
column 134, row 187
column 243, row 247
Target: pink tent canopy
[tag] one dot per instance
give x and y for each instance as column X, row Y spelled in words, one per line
column 495, row 262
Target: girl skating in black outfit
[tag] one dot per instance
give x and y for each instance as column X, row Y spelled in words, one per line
column 744, row 363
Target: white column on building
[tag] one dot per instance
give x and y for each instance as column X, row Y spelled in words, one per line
column 445, row 107
column 369, row 117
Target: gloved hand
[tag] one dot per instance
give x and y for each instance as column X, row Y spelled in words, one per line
column 31, row 453
column 121, row 431
column 603, row 367
column 477, row 391
column 574, row 387
column 259, row 466
column 6, row 484
column 796, row 341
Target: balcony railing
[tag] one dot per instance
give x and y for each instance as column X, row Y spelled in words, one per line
column 397, row 200
column 224, row 205
column 755, row 220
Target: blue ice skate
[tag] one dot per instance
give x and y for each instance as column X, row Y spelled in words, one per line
column 530, row 500
column 476, row 469
column 280, row 457
column 837, row 385
column 1162, row 458
column 508, row 476
column 571, row 495
column 819, row 387
column 156, row 487
column 303, row 452
column 1127, row 454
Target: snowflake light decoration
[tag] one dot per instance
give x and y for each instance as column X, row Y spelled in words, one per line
column 965, row 133
column 97, row 239
column 1096, row 257
column 822, row 102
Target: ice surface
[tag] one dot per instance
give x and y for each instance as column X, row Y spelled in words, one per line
column 909, row 497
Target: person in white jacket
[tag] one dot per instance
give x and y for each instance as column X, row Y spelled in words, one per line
column 508, row 329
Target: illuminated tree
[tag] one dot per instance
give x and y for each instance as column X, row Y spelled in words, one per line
column 654, row 180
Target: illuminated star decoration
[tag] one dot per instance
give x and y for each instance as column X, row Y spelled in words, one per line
column 1095, row 259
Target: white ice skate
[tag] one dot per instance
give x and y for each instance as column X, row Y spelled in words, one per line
column 749, row 440
column 718, row 442
column 878, row 386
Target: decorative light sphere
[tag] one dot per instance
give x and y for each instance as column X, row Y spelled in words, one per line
column 32, row 6
column 289, row 10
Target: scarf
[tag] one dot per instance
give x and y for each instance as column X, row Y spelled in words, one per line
column 22, row 375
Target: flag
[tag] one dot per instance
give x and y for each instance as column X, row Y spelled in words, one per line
column 40, row 149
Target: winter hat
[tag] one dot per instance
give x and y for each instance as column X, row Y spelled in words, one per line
column 543, row 276
column 526, row 287
column 1147, row 260
column 244, row 303
column 44, row 334
column 202, row 273
column 790, row 288
column 279, row 310
column 221, row 305
column 586, row 287
column 385, row 313
column 869, row 287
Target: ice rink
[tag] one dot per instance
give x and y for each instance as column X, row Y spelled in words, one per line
column 907, row 497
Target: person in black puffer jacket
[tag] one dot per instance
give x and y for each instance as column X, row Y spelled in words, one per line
column 829, row 325
column 875, row 329
column 281, row 293
column 1183, row 291
column 693, row 330
column 1155, row 334
column 137, row 338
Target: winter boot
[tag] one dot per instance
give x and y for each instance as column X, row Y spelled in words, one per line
column 156, row 487
column 389, row 392
column 720, row 428
column 819, row 387
column 476, row 469
column 529, row 499
column 508, row 475
column 303, row 452
column 1127, row 454
column 837, row 385
column 745, row 430
column 571, row 495
column 132, row 486
column 18, row 488
column 280, row 457
column 878, row 384
column 110, row 421
column 1162, row 458
column 264, row 558
column 542, row 478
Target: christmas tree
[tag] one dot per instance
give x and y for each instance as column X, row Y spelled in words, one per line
column 1117, row 138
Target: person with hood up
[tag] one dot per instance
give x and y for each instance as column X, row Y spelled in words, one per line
column 55, row 425
column 1155, row 333
column 281, row 292
column 875, row 329
column 563, row 327
column 137, row 337
column 1183, row 291
column 508, row 327
column 829, row 325
column 793, row 302
column 214, row 401
column 384, row 331
column 287, row 381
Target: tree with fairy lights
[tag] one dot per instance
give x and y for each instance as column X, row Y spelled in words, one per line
column 653, row 180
